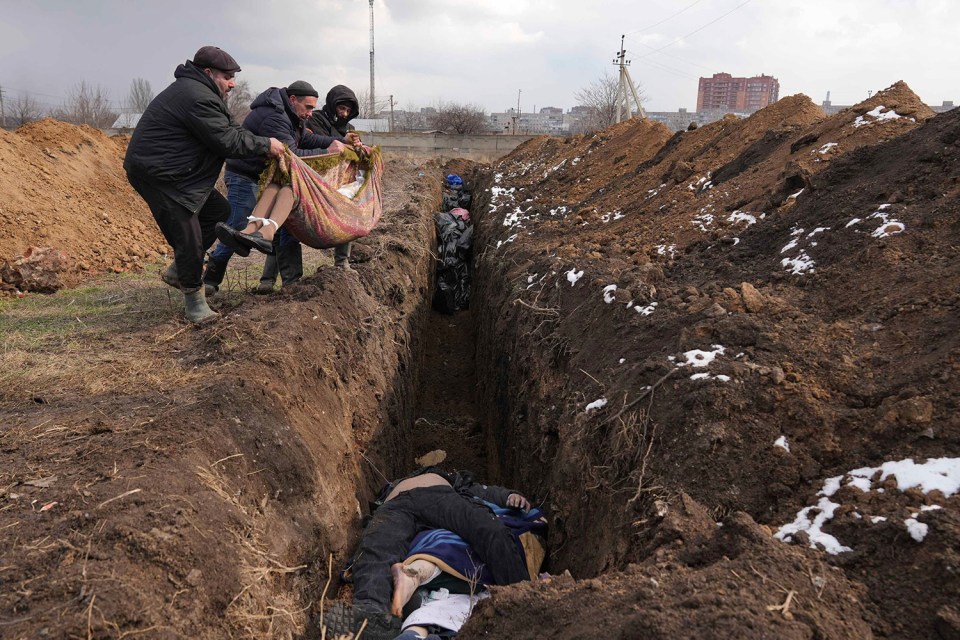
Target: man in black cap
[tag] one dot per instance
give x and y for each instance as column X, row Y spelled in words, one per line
column 333, row 119
column 174, row 159
column 280, row 113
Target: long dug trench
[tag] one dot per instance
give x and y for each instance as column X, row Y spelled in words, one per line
column 636, row 360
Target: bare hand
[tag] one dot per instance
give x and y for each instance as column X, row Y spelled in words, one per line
column 276, row 148
column 352, row 138
column 335, row 147
column 517, row 501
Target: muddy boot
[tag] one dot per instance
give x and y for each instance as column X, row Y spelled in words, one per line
column 213, row 277
column 170, row 277
column 269, row 276
column 290, row 263
column 341, row 256
column 197, row 309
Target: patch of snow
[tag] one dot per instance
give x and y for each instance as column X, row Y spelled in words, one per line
column 596, row 404
column 782, row 443
column 700, row 358
column 853, row 222
column 742, row 216
column 877, row 116
column 667, row 250
column 622, row 360
column 877, row 519
column 573, row 275
column 794, row 196
column 647, row 310
column 916, row 529
column 503, row 242
column 930, row 507
column 811, row 520
column 803, row 263
column 608, row 293
column 825, row 148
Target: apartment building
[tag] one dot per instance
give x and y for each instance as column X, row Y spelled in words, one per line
column 723, row 92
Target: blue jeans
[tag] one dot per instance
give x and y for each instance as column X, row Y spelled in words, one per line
column 242, row 196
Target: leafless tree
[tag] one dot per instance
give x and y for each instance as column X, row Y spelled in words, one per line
column 141, row 95
column 239, row 99
column 87, row 104
column 459, row 118
column 25, row 110
column 363, row 97
column 601, row 99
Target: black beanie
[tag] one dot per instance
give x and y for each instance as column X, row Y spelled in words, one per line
column 302, row 88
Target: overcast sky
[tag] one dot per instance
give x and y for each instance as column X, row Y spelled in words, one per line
column 484, row 52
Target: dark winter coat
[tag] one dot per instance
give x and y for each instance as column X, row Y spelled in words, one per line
column 324, row 121
column 272, row 115
column 183, row 137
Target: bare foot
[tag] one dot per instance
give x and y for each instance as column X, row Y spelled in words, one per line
column 405, row 582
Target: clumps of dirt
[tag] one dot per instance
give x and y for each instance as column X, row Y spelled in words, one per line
column 697, row 578
column 760, row 305
column 64, row 188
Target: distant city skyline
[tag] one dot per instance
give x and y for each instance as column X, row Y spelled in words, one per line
column 484, row 52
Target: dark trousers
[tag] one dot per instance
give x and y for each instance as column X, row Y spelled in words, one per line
column 388, row 535
column 190, row 234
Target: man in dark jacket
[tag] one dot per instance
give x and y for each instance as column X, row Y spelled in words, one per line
column 174, row 159
column 333, row 119
column 280, row 113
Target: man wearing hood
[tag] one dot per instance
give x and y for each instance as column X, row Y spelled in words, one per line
column 333, row 119
column 174, row 159
column 281, row 113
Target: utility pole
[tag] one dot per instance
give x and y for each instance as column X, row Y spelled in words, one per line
column 626, row 88
column 516, row 116
column 3, row 114
column 373, row 99
column 391, row 113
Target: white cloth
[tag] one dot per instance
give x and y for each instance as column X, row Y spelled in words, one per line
column 445, row 609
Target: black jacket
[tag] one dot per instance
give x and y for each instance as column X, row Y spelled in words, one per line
column 272, row 115
column 183, row 137
column 324, row 121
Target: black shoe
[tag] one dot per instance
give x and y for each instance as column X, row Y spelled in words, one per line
column 254, row 241
column 344, row 619
column 227, row 235
column 213, row 276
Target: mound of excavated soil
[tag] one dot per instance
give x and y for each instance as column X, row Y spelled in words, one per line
column 758, row 306
column 64, row 187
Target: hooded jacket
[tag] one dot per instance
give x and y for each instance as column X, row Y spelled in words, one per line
column 272, row 115
column 183, row 137
column 325, row 122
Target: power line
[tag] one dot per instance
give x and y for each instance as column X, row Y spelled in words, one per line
column 695, row 31
column 668, row 19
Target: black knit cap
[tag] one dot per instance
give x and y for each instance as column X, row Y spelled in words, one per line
column 215, row 58
column 302, row 88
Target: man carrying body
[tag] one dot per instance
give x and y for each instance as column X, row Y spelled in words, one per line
column 174, row 159
column 333, row 119
column 277, row 112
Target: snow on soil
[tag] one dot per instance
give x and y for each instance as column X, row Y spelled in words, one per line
column 936, row 474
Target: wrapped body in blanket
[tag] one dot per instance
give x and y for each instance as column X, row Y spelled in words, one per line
column 434, row 523
column 323, row 201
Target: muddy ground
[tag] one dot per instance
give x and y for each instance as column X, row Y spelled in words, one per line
column 161, row 480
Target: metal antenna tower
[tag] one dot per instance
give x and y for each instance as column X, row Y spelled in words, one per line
column 626, row 88
column 373, row 100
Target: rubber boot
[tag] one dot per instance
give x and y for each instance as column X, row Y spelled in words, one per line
column 290, row 262
column 269, row 276
column 170, row 277
column 197, row 309
column 341, row 256
column 213, row 277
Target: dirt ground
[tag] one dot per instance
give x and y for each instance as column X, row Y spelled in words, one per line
column 674, row 343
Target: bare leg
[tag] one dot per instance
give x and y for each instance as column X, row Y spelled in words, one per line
column 275, row 205
column 406, row 579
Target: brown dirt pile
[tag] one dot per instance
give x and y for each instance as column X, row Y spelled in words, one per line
column 64, row 188
column 816, row 260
